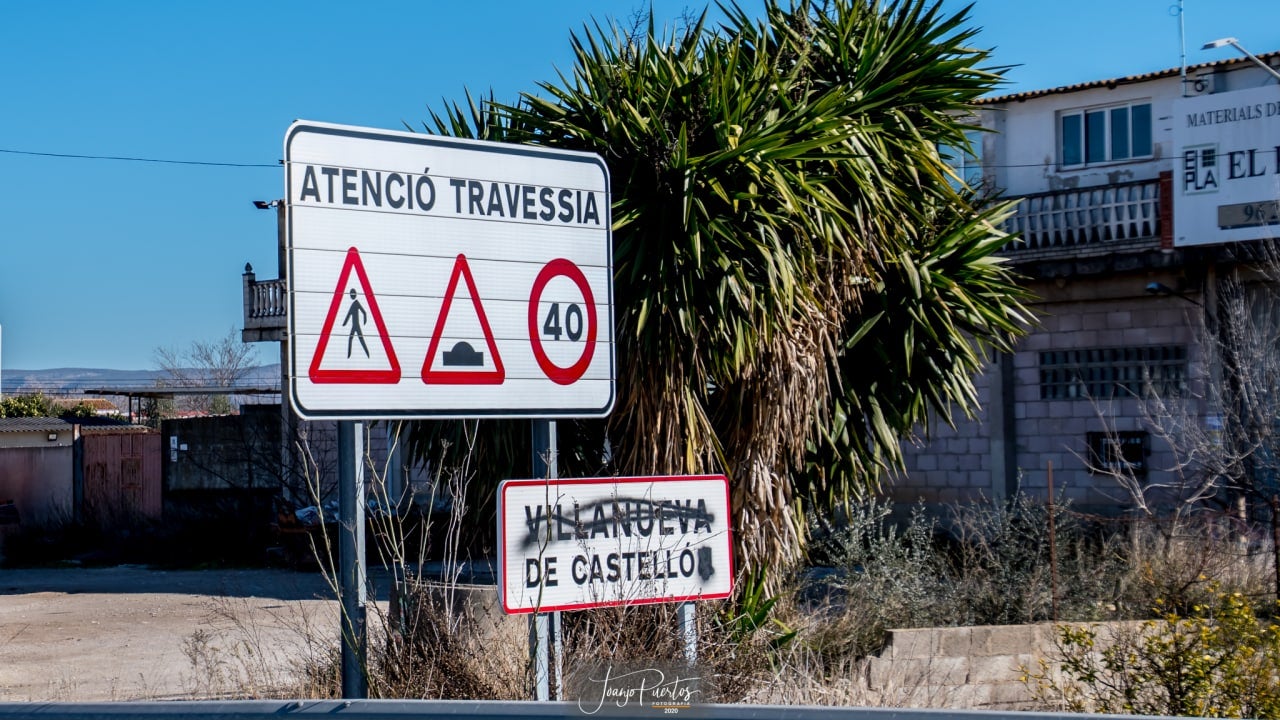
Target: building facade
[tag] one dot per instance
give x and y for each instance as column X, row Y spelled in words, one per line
column 1122, row 282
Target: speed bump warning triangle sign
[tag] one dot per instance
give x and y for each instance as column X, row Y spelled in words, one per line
column 462, row 363
column 367, row 367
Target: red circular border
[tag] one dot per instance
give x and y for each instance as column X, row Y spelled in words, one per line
column 557, row 374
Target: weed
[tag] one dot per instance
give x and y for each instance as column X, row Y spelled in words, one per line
column 1218, row 662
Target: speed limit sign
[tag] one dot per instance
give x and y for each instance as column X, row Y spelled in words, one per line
column 572, row 320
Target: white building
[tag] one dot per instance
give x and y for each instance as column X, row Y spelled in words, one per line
column 1134, row 191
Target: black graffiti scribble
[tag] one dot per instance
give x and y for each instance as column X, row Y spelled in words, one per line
column 705, row 569
column 619, row 517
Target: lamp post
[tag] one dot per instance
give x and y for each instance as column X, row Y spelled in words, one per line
column 1223, row 42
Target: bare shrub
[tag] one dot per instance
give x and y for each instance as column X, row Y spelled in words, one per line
column 888, row 576
column 1176, row 564
column 449, row 642
column 254, row 652
column 1002, row 564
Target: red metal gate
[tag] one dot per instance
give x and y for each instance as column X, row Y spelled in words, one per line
column 122, row 474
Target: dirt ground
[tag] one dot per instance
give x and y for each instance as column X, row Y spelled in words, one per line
column 134, row 633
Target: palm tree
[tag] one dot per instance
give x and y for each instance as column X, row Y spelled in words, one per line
column 797, row 284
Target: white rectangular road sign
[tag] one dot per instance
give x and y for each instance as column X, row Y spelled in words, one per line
column 576, row 544
column 439, row 277
column 1226, row 175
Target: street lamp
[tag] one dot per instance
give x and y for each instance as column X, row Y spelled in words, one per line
column 1159, row 288
column 1222, row 42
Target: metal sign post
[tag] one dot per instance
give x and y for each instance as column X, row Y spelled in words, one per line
column 351, row 558
column 688, row 619
column 545, row 638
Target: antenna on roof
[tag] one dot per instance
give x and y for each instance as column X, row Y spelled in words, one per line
column 1182, row 39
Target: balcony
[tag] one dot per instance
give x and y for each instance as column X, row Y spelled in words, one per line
column 265, row 308
column 1089, row 222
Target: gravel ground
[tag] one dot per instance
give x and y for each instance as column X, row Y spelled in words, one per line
column 133, row 633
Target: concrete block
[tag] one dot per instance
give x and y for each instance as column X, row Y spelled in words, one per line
column 1089, row 410
column 1112, row 338
column 1004, row 640
column 1068, row 322
column 999, row 668
column 917, row 672
column 1094, row 321
column 920, row 643
column 922, row 696
column 955, row 641
column 1002, row 696
column 927, row 494
column 1087, row 338
column 1036, row 342
column 1120, row 319
column 1038, row 444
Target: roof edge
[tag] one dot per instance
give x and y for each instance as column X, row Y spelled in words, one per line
column 1115, row 82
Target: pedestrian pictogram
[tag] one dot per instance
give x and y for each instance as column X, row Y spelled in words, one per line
column 462, row 363
column 356, row 315
column 562, row 322
column 374, row 367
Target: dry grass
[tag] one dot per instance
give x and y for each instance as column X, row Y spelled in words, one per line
column 255, row 653
column 445, row 640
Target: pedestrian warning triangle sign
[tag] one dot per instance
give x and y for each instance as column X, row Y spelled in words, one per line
column 461, row 363
column 366, row 367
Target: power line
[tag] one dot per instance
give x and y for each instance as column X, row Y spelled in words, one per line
column 277, row 164
column 125, row 158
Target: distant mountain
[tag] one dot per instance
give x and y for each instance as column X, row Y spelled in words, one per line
column 73, row 381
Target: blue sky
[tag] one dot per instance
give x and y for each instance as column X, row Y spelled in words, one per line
column 101, row 261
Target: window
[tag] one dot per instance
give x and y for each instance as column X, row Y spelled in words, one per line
column 1104, row 135
column 1123, row 452
column 1101, row 373
column 966, row 162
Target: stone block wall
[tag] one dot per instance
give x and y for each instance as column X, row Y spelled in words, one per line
column 979, row 668
column 947, row 465
column 972, row 667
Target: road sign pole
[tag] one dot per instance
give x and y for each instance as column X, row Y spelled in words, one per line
column 688, row 618
column 351, row 558
column 544, row 628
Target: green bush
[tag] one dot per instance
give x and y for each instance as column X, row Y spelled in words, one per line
column 1221, row 661
column 40, row 405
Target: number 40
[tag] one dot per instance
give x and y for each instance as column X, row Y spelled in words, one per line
column 572, row 325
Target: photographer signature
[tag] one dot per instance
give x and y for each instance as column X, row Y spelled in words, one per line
column 642, row 687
